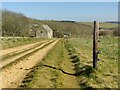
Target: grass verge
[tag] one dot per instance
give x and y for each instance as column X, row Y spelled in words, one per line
column 12, row 42
column 107, row 74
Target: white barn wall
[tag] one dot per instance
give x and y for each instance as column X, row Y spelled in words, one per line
column 48, row 30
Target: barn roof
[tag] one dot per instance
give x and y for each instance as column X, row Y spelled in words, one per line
column 47, row 28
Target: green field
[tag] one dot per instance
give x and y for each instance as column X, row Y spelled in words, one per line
column 69, row 65
column 107, row 73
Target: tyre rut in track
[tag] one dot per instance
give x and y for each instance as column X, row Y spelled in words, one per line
column 12, row 76
column 12, row 59
column 8, row 52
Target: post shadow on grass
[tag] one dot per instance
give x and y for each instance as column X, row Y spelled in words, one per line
column 84, row 71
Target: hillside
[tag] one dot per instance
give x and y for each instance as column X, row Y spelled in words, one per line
column 60, row 28
column 23, row 25
column 75, row 29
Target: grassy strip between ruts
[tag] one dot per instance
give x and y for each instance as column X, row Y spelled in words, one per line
column 55, row 71
column 14, row 54
column 27, row 55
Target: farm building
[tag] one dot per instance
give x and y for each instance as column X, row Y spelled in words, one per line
column 43, row 31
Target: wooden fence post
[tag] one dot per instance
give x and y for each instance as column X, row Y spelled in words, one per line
column 95, row 43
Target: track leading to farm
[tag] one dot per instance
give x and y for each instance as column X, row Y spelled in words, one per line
column 17, row 55
column 56, row 70
column 66, row 65
column 16, row 67
column 16, row 49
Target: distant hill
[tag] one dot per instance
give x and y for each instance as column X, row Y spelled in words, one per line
column 116, row 22
column 105, row 25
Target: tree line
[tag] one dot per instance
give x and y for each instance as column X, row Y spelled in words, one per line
column 14, row 24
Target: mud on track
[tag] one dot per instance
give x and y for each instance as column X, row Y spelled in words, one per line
column 13, row 75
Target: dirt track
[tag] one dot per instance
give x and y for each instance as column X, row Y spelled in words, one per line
column 17, row 49
column 9, row 60
column 12, row 76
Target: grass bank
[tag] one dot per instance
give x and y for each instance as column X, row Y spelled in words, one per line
column 12, row 42
column 107, row 74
